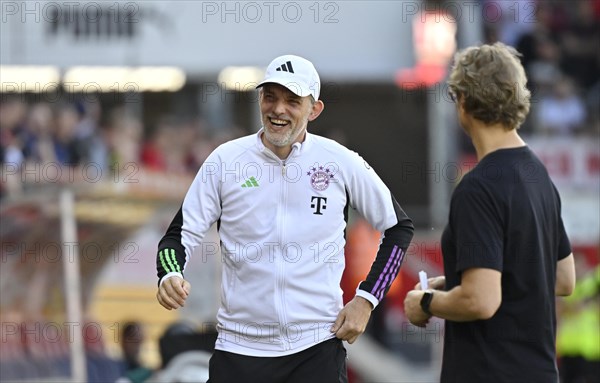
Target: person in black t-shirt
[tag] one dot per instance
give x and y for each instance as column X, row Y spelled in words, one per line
column 506, row 252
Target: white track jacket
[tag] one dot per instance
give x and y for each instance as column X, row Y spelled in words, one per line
column 282, row 229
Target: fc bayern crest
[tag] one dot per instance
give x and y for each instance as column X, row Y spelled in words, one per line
column 320, row 177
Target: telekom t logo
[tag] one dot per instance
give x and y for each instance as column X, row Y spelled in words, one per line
column 320, row 204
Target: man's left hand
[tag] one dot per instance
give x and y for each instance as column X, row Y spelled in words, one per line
column 352, row 320
column 413, row 310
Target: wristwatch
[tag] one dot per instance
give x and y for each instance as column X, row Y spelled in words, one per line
column 426, row 301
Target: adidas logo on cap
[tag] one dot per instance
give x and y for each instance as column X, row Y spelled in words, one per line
column 295, row 73
column 287, row 67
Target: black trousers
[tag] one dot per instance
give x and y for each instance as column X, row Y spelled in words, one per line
column 322, row 363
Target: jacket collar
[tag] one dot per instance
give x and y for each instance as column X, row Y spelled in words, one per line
column 301, row 147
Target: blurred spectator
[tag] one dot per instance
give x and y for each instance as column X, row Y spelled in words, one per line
column 124, row 138
column 544, row 66
column 180, row 139
column 541, row 53
column 592, row 100
column 12, row 112
column 132, row 339
column 100, row 367
column 578, row 336
column 513, row 22
column 38, row 134
column 65, row 144
column 172, row 145
column 90, row 145
column 201, row 147
column 563, row 111
column 580, row 43
column 199, row 152
column 154, row 149
column 362, row 243
column 185, row 353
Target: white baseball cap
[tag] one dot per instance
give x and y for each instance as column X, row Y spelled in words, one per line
column 295, row 73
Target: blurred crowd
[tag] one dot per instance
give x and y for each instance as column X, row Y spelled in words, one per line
column 82, row 133
column 559, row 42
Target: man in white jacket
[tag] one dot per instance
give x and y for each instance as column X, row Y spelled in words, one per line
column 280, row 200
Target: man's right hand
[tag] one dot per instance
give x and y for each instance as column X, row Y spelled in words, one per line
column 173, row 292
column 435, row 283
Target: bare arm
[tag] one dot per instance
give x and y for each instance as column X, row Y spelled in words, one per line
column 565, row 276
column 477, row 297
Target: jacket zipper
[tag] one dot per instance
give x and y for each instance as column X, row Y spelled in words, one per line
column 280, row 261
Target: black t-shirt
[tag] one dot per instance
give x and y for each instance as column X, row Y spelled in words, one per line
column 505, row 215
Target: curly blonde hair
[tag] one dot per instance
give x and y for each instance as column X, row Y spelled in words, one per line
column 491, row 82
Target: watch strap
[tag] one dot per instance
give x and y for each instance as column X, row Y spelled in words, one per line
column 426, row 301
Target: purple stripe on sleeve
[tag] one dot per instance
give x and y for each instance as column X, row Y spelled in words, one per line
column 385, row 269
column 390, row 276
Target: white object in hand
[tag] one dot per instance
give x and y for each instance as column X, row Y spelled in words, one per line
column 423, row 280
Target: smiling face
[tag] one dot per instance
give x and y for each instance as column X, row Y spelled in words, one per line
column 285, row 117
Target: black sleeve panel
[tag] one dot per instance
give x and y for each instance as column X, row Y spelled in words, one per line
column 390, row 255
column 171, row 252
